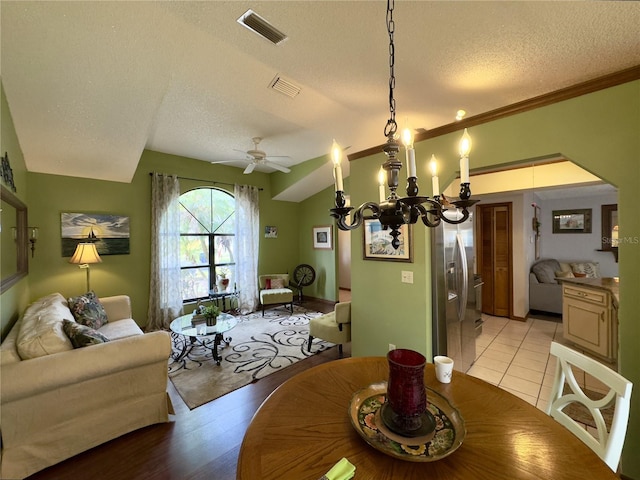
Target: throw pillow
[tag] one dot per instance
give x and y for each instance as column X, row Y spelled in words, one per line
column 545, row 270
column 267, row 284
column 565, row 267
column 81, row 335
column 563, row 274
column 87, row 310
column 277, row 283
column 589, row 268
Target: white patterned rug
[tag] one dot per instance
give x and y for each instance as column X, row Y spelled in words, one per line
column 259, row 346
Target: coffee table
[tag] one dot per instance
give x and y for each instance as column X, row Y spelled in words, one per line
column 186, row 336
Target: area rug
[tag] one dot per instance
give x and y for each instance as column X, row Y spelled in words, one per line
column 259, row 346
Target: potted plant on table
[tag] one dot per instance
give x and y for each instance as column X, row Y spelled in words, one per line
column 211, row 313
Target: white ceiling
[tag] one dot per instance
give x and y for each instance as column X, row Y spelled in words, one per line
column 92, row 84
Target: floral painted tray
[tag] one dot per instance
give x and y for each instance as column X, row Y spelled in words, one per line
column 449, row 434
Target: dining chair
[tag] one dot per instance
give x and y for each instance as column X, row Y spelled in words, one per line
column 607, row 444
column 334, row 327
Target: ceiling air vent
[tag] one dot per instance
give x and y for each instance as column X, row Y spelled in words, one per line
column 284, row 86
column 259, row 25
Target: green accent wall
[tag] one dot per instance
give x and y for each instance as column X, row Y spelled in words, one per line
column 129, row 274
column 15, row 299
column 600, row 132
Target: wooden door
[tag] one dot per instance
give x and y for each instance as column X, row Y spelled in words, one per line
column 494, row 257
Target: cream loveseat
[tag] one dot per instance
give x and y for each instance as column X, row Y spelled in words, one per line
column 57, row 401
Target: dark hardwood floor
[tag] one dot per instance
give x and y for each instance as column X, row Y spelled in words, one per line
column 202, row 443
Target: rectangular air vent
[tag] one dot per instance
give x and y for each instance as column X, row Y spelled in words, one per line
column 259, row 25
column 284, row 86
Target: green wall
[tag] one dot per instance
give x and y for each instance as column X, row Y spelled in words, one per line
column 600, row 132
column 14, row 300
column 129, row 274
column 314, row 213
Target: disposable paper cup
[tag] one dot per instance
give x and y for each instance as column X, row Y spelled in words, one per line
column 444, row 368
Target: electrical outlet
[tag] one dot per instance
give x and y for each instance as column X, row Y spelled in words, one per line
column 407, row 277
column 392, row 347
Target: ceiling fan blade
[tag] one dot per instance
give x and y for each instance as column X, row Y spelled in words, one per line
column 277, row 166
column 225, row 161
column 249, row 168
column 269, row 157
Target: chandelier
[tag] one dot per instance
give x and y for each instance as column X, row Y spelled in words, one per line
column 394, row 211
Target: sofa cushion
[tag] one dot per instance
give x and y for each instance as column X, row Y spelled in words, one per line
column 121, row 329
column 81, row 335
column 590, row 269
column 87, row 310
column 545, row 270
column 41, row 328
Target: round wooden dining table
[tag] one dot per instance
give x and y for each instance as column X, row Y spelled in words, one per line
column 303, row 428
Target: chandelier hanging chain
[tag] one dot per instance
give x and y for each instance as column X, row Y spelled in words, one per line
column 394, row 211
column 391, row 127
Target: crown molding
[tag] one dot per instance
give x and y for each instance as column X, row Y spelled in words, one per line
column 590, row 86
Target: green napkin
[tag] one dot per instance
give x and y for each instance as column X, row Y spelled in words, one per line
column 343, row 470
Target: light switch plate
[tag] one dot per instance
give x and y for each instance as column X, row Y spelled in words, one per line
column 407, row 277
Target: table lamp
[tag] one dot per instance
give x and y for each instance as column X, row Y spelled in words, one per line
column 85, row 254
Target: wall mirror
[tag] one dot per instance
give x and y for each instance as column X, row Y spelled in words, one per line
column 13, row 231
column 610, row 229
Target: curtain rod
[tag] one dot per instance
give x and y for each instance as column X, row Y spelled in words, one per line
column 203, row 180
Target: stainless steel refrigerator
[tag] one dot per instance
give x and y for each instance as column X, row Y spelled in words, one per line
column 455, row 305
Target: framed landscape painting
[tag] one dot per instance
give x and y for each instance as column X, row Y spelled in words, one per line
column 572, row 221
column 110, row 233
column 377, row 243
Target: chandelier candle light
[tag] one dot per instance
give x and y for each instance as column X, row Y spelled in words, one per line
column 394, row 211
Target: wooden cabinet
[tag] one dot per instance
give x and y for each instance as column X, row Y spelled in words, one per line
column 590, row 320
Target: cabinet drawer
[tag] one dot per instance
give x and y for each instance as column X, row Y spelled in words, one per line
column 594, row 296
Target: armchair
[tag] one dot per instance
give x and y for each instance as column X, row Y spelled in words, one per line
column 274, row 290
column 334, row 327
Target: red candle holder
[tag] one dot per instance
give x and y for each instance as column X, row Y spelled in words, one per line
column 405, row 411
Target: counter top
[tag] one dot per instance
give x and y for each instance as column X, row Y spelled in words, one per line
column 610, row 284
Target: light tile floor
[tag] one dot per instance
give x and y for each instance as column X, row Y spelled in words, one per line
column 515, row 356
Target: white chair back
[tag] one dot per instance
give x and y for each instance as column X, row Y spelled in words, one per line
column 608, row 443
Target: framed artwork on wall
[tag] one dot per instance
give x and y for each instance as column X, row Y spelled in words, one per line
column 323, row 237
column 109, row 232
column 377, row 243
column 270, row 232
column 572, row 221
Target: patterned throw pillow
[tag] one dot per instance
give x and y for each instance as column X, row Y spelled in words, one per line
column 591, row 269
column 277, row 283
column 81, row 335
column 88, row 310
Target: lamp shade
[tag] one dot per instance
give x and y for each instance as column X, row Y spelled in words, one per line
column 85, row 253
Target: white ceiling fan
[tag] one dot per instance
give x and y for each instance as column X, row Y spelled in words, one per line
column 259, row 157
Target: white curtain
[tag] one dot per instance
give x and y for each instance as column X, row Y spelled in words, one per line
column 247, row 243
column 165, row 297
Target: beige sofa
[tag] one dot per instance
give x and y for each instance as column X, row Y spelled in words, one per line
column 62, row 401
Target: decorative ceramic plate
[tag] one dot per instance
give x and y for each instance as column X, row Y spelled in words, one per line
column 449, row 434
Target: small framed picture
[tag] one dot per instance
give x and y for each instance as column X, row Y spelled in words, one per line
column 572, row 221
column 377, row 243
column 270, row 232
column 322, row 237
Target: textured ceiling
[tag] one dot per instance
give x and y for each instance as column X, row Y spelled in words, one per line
column 92, row 84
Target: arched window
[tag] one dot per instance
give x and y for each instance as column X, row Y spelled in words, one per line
column 207, row 243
